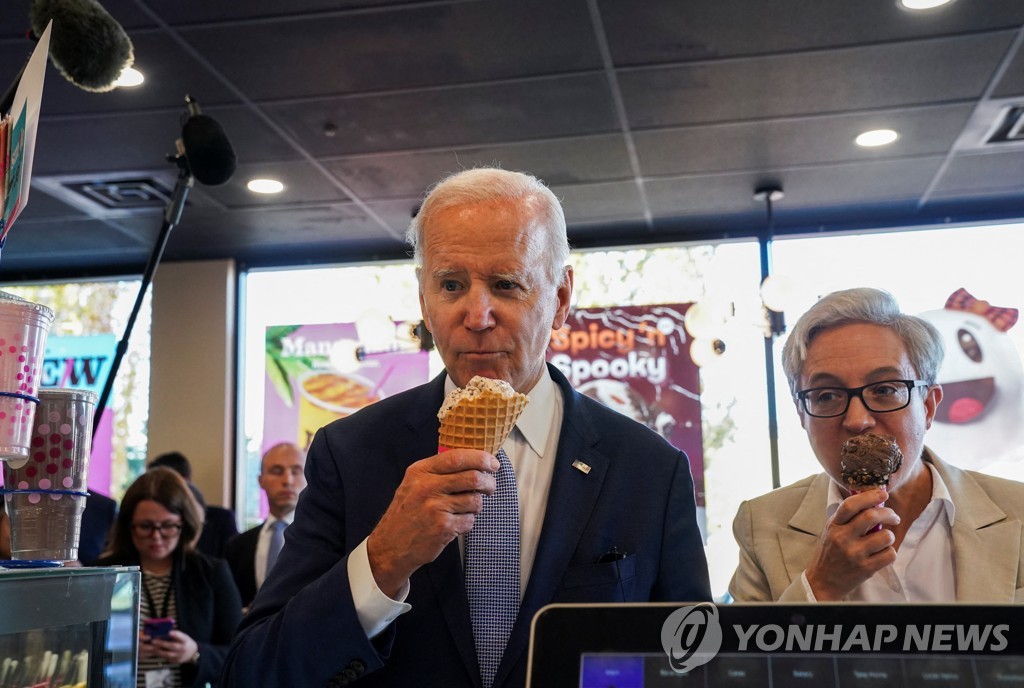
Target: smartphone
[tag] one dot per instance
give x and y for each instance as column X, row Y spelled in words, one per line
column 157, row 628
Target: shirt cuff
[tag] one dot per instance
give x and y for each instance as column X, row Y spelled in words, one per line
column 376, row 610
column 803, row 579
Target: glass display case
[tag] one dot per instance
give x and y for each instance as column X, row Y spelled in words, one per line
column 69, row 627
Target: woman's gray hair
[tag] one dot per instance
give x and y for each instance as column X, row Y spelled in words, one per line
column 483, row 184
column 863, row 305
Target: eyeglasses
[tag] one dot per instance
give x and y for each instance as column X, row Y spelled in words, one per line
column 878, row 397
column 145, row 529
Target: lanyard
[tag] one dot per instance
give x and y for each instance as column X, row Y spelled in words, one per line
column 152, row 603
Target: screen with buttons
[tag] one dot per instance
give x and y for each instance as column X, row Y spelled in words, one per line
column 741, row 646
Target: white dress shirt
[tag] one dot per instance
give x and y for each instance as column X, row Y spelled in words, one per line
column 923, row 570
column 263, row 545
column 531, row 449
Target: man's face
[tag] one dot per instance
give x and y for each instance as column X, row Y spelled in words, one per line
column 854, row 355
column 282, row 478
column 485, row 292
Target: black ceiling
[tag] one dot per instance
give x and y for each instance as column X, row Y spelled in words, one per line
column 653, row 120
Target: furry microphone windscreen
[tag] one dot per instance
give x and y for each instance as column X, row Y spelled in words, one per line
column 87, row 45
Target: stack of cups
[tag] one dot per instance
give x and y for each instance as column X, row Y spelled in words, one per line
column 23, row 329
column 46, row 492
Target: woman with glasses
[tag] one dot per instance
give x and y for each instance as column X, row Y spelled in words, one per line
column 857, row 365
column 189, row 603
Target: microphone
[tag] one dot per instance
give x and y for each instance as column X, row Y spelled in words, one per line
column 87, row 45
column 207, row 150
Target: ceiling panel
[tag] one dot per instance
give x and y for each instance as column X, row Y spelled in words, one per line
column 613, row 202
column 653, row 121
column 995, row 174
column 556, row 161
column 453, row 116
column 852, row 79
column 369, row 52
column 811, row 187
column 656, row 31
column 257, row 10
column 783, row 143
column 1011, row 83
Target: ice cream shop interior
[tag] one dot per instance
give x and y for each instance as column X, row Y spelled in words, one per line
column 204, row 213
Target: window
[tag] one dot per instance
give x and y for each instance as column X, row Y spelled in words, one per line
column 89, row 321
column 723, row 279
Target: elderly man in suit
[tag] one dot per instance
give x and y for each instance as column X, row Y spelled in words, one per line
column 252, row 554
column 856, row 365
column 583, row 504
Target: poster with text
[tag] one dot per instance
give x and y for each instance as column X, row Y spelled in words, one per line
column 636, row 360
column 313, row 378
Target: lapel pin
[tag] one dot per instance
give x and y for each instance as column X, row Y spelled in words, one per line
column 581, row 467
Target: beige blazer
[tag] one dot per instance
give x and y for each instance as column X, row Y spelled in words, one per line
column 777, row 533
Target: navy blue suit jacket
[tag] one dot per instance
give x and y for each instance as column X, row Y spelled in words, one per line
column 241, row 557
column 99, row 515
column 303, row 630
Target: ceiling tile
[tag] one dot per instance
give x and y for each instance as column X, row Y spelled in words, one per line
column 883, row 76
column 796, row 141
column 455, row 43
column 993, row 174
column 471, row 115
column 303, row 183
column 556, row 161
column 812, row 187
column 612, row 201
column 652, row 31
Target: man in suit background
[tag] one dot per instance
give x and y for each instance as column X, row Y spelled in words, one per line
column 218, row 522
column 251, row 554
column 375, row 586
column 857, row 365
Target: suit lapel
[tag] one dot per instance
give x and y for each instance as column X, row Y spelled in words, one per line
column 798, row 539
column 986, row 545
column 570, row 501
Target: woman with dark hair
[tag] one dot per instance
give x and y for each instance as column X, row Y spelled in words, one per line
column 190, row 600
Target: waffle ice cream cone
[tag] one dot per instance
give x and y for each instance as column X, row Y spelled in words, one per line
column 480, row 415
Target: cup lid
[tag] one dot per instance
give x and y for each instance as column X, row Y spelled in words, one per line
column 7, row 298
column 67, row 394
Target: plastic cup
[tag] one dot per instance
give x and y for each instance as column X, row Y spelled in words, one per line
column 46, row 492
column 47, row 530
column 23, row 329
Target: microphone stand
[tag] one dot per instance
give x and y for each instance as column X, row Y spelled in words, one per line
column 175, row 206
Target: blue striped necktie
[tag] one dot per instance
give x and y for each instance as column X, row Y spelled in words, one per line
column 276, row 543
column 492, row 570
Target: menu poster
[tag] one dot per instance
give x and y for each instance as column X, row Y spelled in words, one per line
column 636, row 360
column 313, row 378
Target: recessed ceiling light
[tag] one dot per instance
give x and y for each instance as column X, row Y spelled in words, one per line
column 876, row 137
column 129, row 78
column 923, row 4
column 265, row 186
